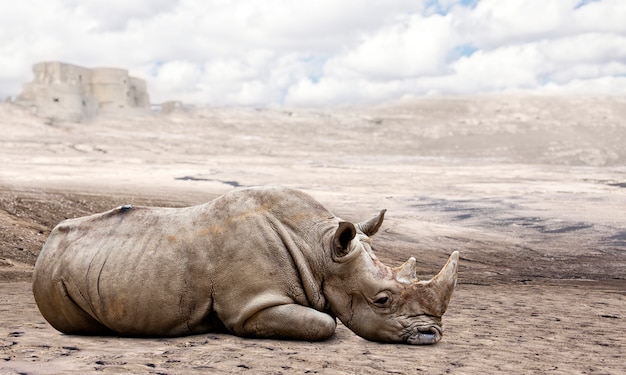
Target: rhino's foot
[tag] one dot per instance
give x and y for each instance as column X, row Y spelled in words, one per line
column 294, row 322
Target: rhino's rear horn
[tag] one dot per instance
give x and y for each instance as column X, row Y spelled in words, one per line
column 344, row 235
column 370, row 227
column 407, row 273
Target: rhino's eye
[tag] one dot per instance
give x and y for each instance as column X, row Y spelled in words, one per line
column 381, row 301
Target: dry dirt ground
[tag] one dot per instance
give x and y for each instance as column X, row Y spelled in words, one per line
column 532, row 191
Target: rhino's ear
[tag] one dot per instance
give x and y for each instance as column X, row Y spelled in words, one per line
column 341, row 242
column 370, row 227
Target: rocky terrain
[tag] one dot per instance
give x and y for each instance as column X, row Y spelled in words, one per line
column 531, row 190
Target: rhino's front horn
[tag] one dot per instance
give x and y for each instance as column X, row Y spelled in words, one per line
column 438, row 290
column 446, row 278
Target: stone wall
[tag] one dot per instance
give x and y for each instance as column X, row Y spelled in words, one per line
column 69, row 92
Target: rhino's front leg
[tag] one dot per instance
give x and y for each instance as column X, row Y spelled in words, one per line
column 291, row 321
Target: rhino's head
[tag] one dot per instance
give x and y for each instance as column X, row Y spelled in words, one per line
column 380, row 303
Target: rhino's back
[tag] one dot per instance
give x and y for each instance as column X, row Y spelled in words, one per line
column 171, row 271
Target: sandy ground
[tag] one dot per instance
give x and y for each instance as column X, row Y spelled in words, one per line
column 532, row 191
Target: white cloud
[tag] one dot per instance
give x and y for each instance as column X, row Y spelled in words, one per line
column 179, row 75
column 324, row 52
column 415, row 46
column 590, row 48
column 614, row 85
column 340, row 92
column 494, row 23
column 506, row 67
column 600, row 16
column 114, row 15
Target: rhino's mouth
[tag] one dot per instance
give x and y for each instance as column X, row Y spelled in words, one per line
column 425, row 335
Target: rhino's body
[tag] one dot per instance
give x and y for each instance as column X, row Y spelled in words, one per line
column 262, row 262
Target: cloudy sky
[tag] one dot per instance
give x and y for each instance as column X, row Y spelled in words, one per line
column 324, row 52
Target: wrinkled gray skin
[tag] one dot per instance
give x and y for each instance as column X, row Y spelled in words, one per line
column 262, row 262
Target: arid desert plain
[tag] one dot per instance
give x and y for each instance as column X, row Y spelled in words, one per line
column 530, row 190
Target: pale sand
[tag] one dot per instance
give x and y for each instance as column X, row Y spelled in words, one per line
column 532, row 191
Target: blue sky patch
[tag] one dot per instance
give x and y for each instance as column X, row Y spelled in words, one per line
column 582, row 3
column 461, row 51
column 436, row 7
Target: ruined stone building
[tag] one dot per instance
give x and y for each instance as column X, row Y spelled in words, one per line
column 70, row 92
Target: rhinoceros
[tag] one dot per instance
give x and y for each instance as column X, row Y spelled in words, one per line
column 265, row 262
